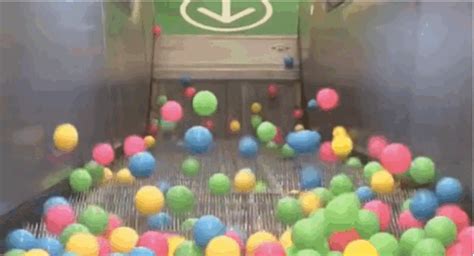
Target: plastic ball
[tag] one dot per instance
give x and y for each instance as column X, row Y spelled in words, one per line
column 96, row 171
column 365, row 194
column 59, row 217
column 15, row 252
column 255, row 121
column 448, row 190
column 325, row 196
column 71, row 230
column 222, row 246
column 326, row 153
column 141, row 251
column 279, row 140
column 142, row 165
column 382, row 182
column 54, row 201
column 396, row 158
column 156, row 30
column 256, row 108
column 51, row 245
column 189, row 92
column 123, row 239
column 456, row 214
column 248, row 147
column 205, row 103
column 190, row 166
column 198, row 139
column 287, row 151
column 236, row 237
column 291, row 251
column 407, row 221
column 342, row 146
column 80, row 180
column 208, row 123
column 339, row 240
column 369, row 169
column 113, row 223
column 428, row 247
column 289, row 62
column 285, row 239
column 108, row 175
column 304, row 141
column 385, row 243
column 367, row 224
column 234, row 126
column 103, row 153
column 171, row 111
column 260, row 187
column 442, row 229
column 341, row 213
column 271, row 145
column 309, row 202
column 124, row 176
column 36, row 252
column 270, row 249
column 272, row 91
column 206, row 228
column 460, row 249
column 180, row 200
column 423, row 204
column 133, row 144
column 188, row 248
column 359, row 248
column 310, row 177
column 174, row 242
column 149, row 200
column 161, row 100
column 422, row 170
column 354, row 162
column 266, row 131
column 312, row 104
column 298, row 113
column 289, row 210
column 327, row 99
column 256, row 239
column 152, row 129
column 299, row 127
column 65, row 137
column 185, row 80
column 409, row 239
column 383, row 212
column 95, row 219
column 340, row 184
column 244, row 181
column 159, row 221
column 154, row 241
column 307, row 234
column 167, row 126
column 83, row 244
column 149, row 141
column 219, row 184
column 104, row 246
column 375, row 146
column 466, row 235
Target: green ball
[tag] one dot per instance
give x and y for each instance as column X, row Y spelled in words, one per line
column 289, row 210
column 340, row 184
column 422, row 170
column 291, row 251
column 219, row 184
column 324, row 195
column 188, row 248
column 370, row 168
column 320, row 220
column 15, row 252
column 167, row 126
column 260, row 187
column 367, row 224
column 409, row 239
column 71, row 230
column 180, row 199
column 266, row 131
column 385, row 243
column 308, row 252
column 190, row 166
column 80, row 180
column 406, row 205
column 334, row 253
column 287, row 151
column 442, row 229
column 271, row 145
column 342, row 212
column 95, row 219
column 354, row 162
column 161, row 100
column 96, row 171
column 204, row 103
column 307, row 235
column 428, row 247
column 188, row 224
column 256, row 120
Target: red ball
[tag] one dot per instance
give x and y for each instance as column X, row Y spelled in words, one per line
column 456, row 214
column 152, row 129
column 133, row 144
column 114, row 222
column 59, row 217
column 339, row 240
column 154, row 241
column 171, row 111
column 460, row 249
column 104, row 246
column 375, row 146
column 326, row 154
column 189, row 92
column 270, row 249
column 382, row 210
column 396, row 158
column 327, row 99
column 407, row 221
column 298, row 113
column 103, row 154
column 278, row 139
column 466, row 235
column 236, row 237
column 272, row 90
column 208, row 123
column 157, row 31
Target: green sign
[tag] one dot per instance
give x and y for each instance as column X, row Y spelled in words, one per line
column 247, row 17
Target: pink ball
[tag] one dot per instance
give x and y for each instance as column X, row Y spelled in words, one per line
column 460, row 249
column 375, row 146
column 114, row 222
column 407, row 221
column 326, row 154
column 339, row 240
column 171, row 111
column 382, row 210
column 103, row 154
column 456, row 214
column 396, row 158
column 270, row 249
column 234, row 235
column 327, row 98
column 59, row 217
column 133, row 144
column 466, row 235
column 155, row 241
column 104, row 246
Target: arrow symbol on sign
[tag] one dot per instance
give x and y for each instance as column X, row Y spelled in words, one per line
column 226, row 16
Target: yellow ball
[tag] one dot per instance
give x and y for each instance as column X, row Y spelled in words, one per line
column 108, row 175
column 234, row 126
column 123, row 239
column 149, row 200
column 65, row 137
column 299, row 127
column 285, row 239
column 360, row 248
column 256, row 108
column 124, row 176
column 309, row 202
column 244, row 181
column 339, row 131
column 149, row 141
column 173, row 243
column 257, row 239
column 342, row 146
column 36, row 252
column 222, row 246
column 382, row 182
column 83, row 244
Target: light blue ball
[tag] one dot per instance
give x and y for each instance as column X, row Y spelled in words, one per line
column 164, row 186
column 51, row 245
column 310, row 177
column 304, row 141
column 248, row 147
column 365, row 194
column 449, row 190
column 312, row 104
column 185, row 80
column 21, row 239
column 142, row 165
column 198, row 139
column 289, row 62
column 423, row 205
column 141, row 251
column 54, row 201
column 206, row 228
column 70, row 254
column 159, row 221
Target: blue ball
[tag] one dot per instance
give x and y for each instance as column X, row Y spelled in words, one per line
column 164, row 186
column 159, row 221
column 198, row 139
column 51, row 245
column 206, row 228
column 141, row 251
column 304, row 141
column 312, row 104
column 21, row 239
column 289, row 62
column 248, row 147
column 185, row 80
column 142, row 165
column 310, row 178
column 54, row 201
column 424, row 204
column 365, row 194
column 449, row 190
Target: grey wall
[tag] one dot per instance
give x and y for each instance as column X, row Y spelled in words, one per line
column 403, row 69
column 86, row 63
